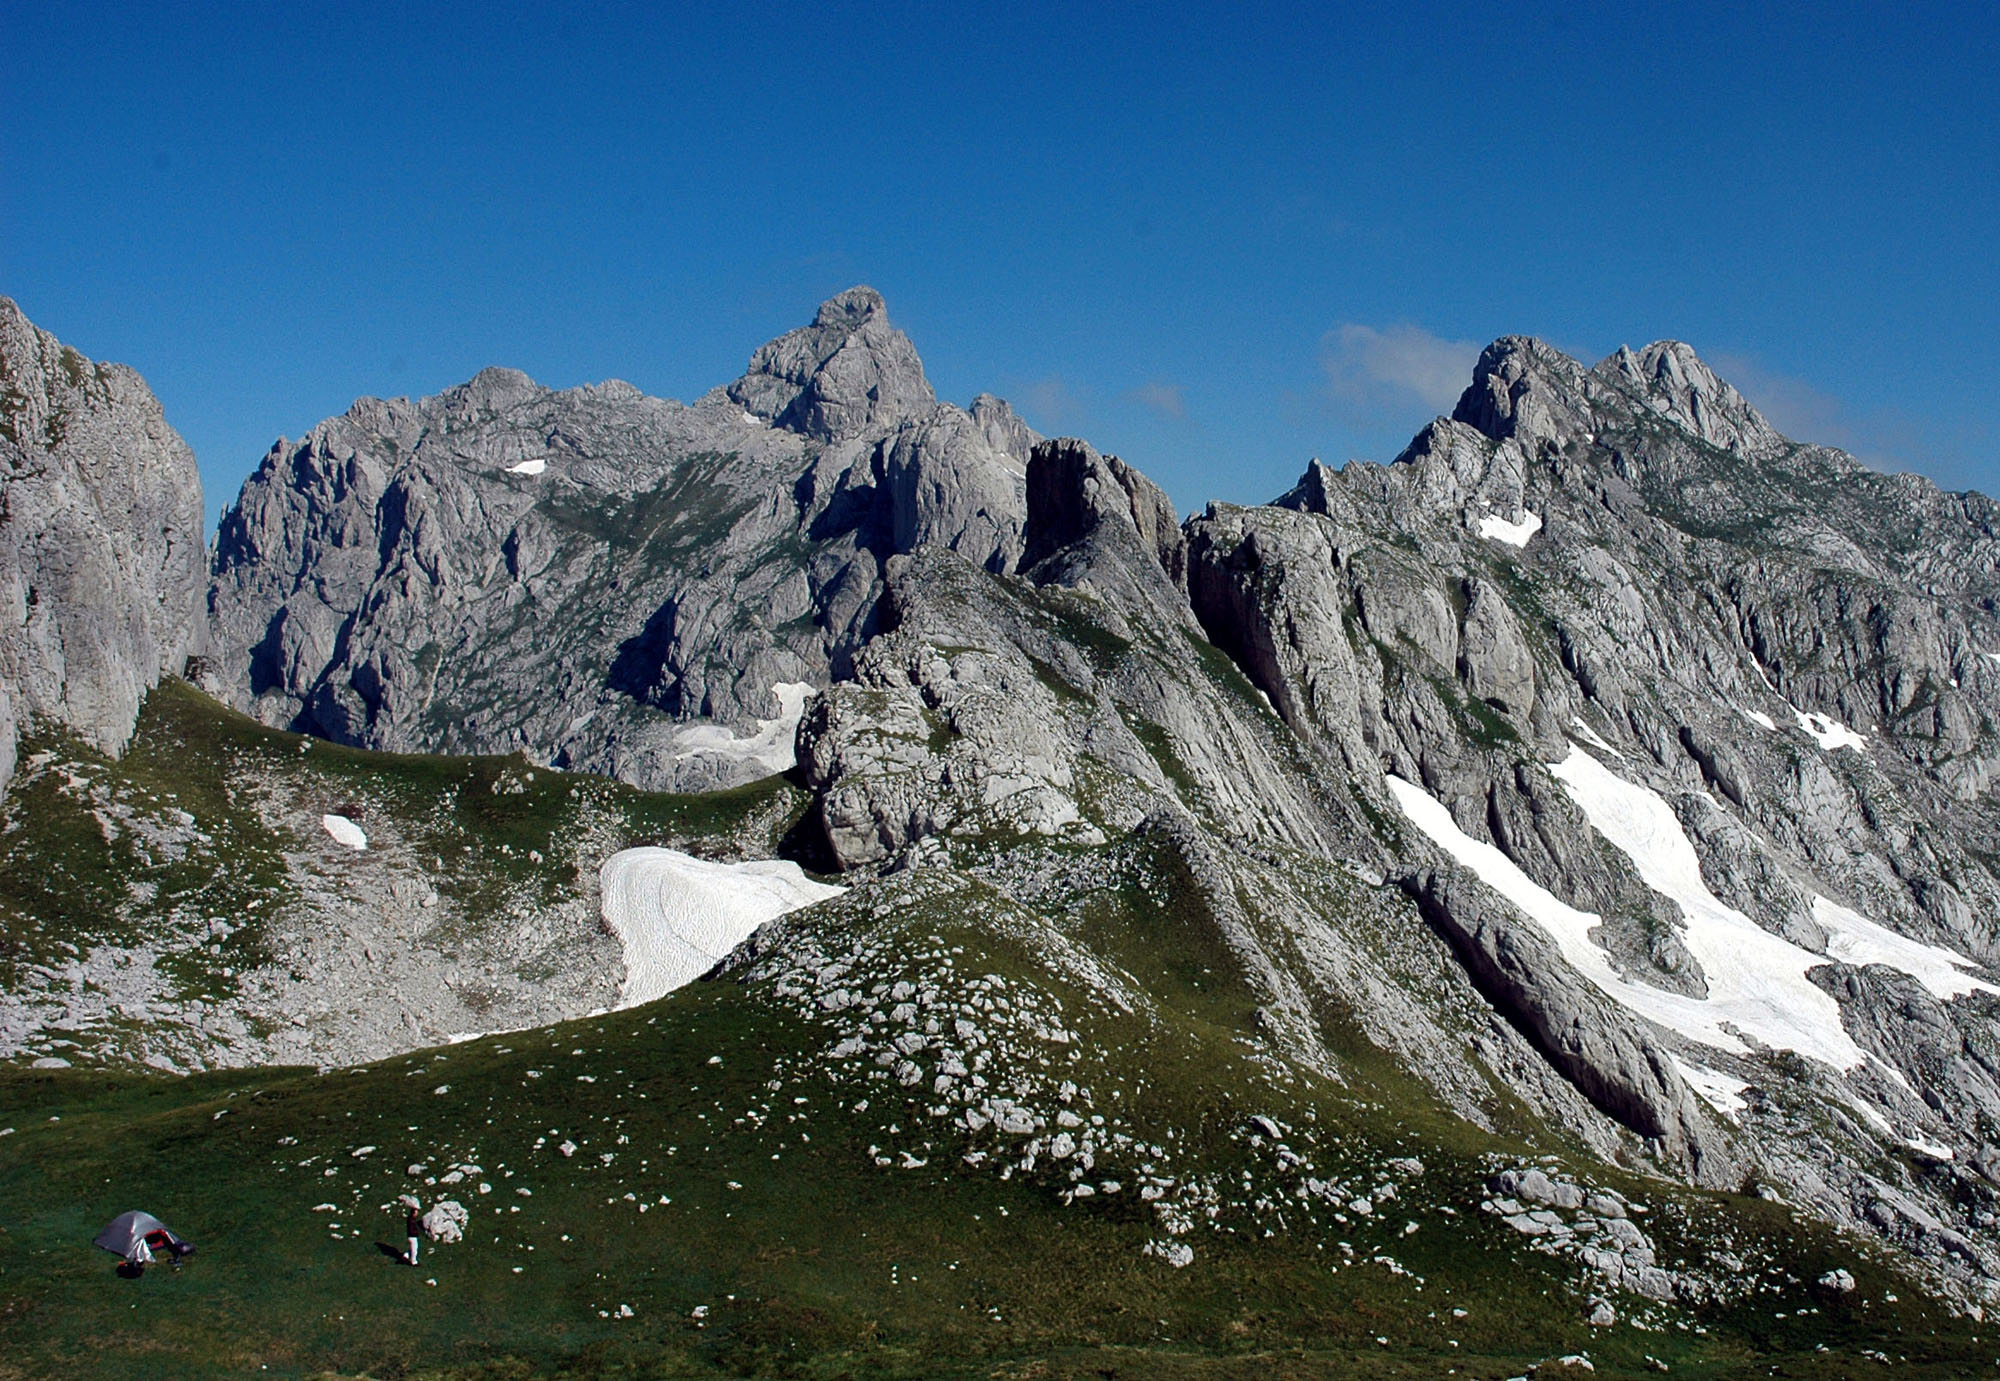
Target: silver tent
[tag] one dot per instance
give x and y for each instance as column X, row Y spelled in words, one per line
column 127, row 1231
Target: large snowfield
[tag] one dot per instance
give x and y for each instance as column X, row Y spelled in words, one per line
column 1758, row 991
column 677, row 914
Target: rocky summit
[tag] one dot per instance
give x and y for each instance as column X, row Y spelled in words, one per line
column 606, row 581
column 1557, row 868
column 100, row 541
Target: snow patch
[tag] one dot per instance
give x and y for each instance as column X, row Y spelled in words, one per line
column 676, row 915
column 772, row 747
column 1875, row 1117
column 1760, row 719
column 1757, row 982
column 1880, row 1121
column 529, row 467
column 1513, row 534
column 1590, row 736
column 344, row 831
column 1723, row 1093
column 1830, row 732
column 1854, row 939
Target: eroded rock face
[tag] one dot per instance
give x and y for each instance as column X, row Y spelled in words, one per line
column 1622, row 561
column 602, row 580
column 100, row 541
column 1622, row 1070
column 1788, row 649
column 1095, row 521
column 951, row 486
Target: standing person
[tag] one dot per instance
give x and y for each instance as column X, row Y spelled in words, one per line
column 413, row 1227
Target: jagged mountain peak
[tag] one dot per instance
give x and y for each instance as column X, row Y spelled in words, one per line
column 650, row 550
column 100, row 541
column 1677, row 383
column 1559, row 762
column 1526, row 389
column 849, row 372
column 1003, row 428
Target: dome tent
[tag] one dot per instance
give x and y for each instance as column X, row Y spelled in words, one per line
column 128, row 1236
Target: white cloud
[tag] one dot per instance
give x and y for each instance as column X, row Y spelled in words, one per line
column 1377, row 370
column 1165, row 399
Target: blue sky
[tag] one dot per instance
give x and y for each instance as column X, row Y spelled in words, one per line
column 1217, row 240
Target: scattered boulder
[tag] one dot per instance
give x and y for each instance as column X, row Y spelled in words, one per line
column 445, row 1221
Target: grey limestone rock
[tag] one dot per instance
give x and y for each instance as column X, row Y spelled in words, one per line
column 847, row 374
column 1790, row 649
column 602, row 580
column 1090, row 516
column 1494, row 661
column 1003, row 428
column 1596, row 1045
column 951, row 486
column 100, row 541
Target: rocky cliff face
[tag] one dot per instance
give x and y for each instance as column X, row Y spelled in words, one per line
column 1607, row 759
column 1723, row 702
column 1674, row 736
column 603, row 580
column 100, row 541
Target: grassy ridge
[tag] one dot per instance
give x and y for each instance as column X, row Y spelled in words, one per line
column 808, row 1258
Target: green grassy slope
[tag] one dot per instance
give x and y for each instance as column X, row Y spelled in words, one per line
column 739, row 1150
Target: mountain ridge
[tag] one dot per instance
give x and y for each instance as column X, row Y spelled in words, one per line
column 1605, row 762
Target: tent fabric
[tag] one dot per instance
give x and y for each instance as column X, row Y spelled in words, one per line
column 126, row 1233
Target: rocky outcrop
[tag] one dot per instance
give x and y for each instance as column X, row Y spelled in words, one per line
column 1003, row 428
column 1597, row 1047
column 603, row 580
column 1676, row 384
column 1093, row 520
column 949, row 485
column 848, row 374
column 100, row 541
